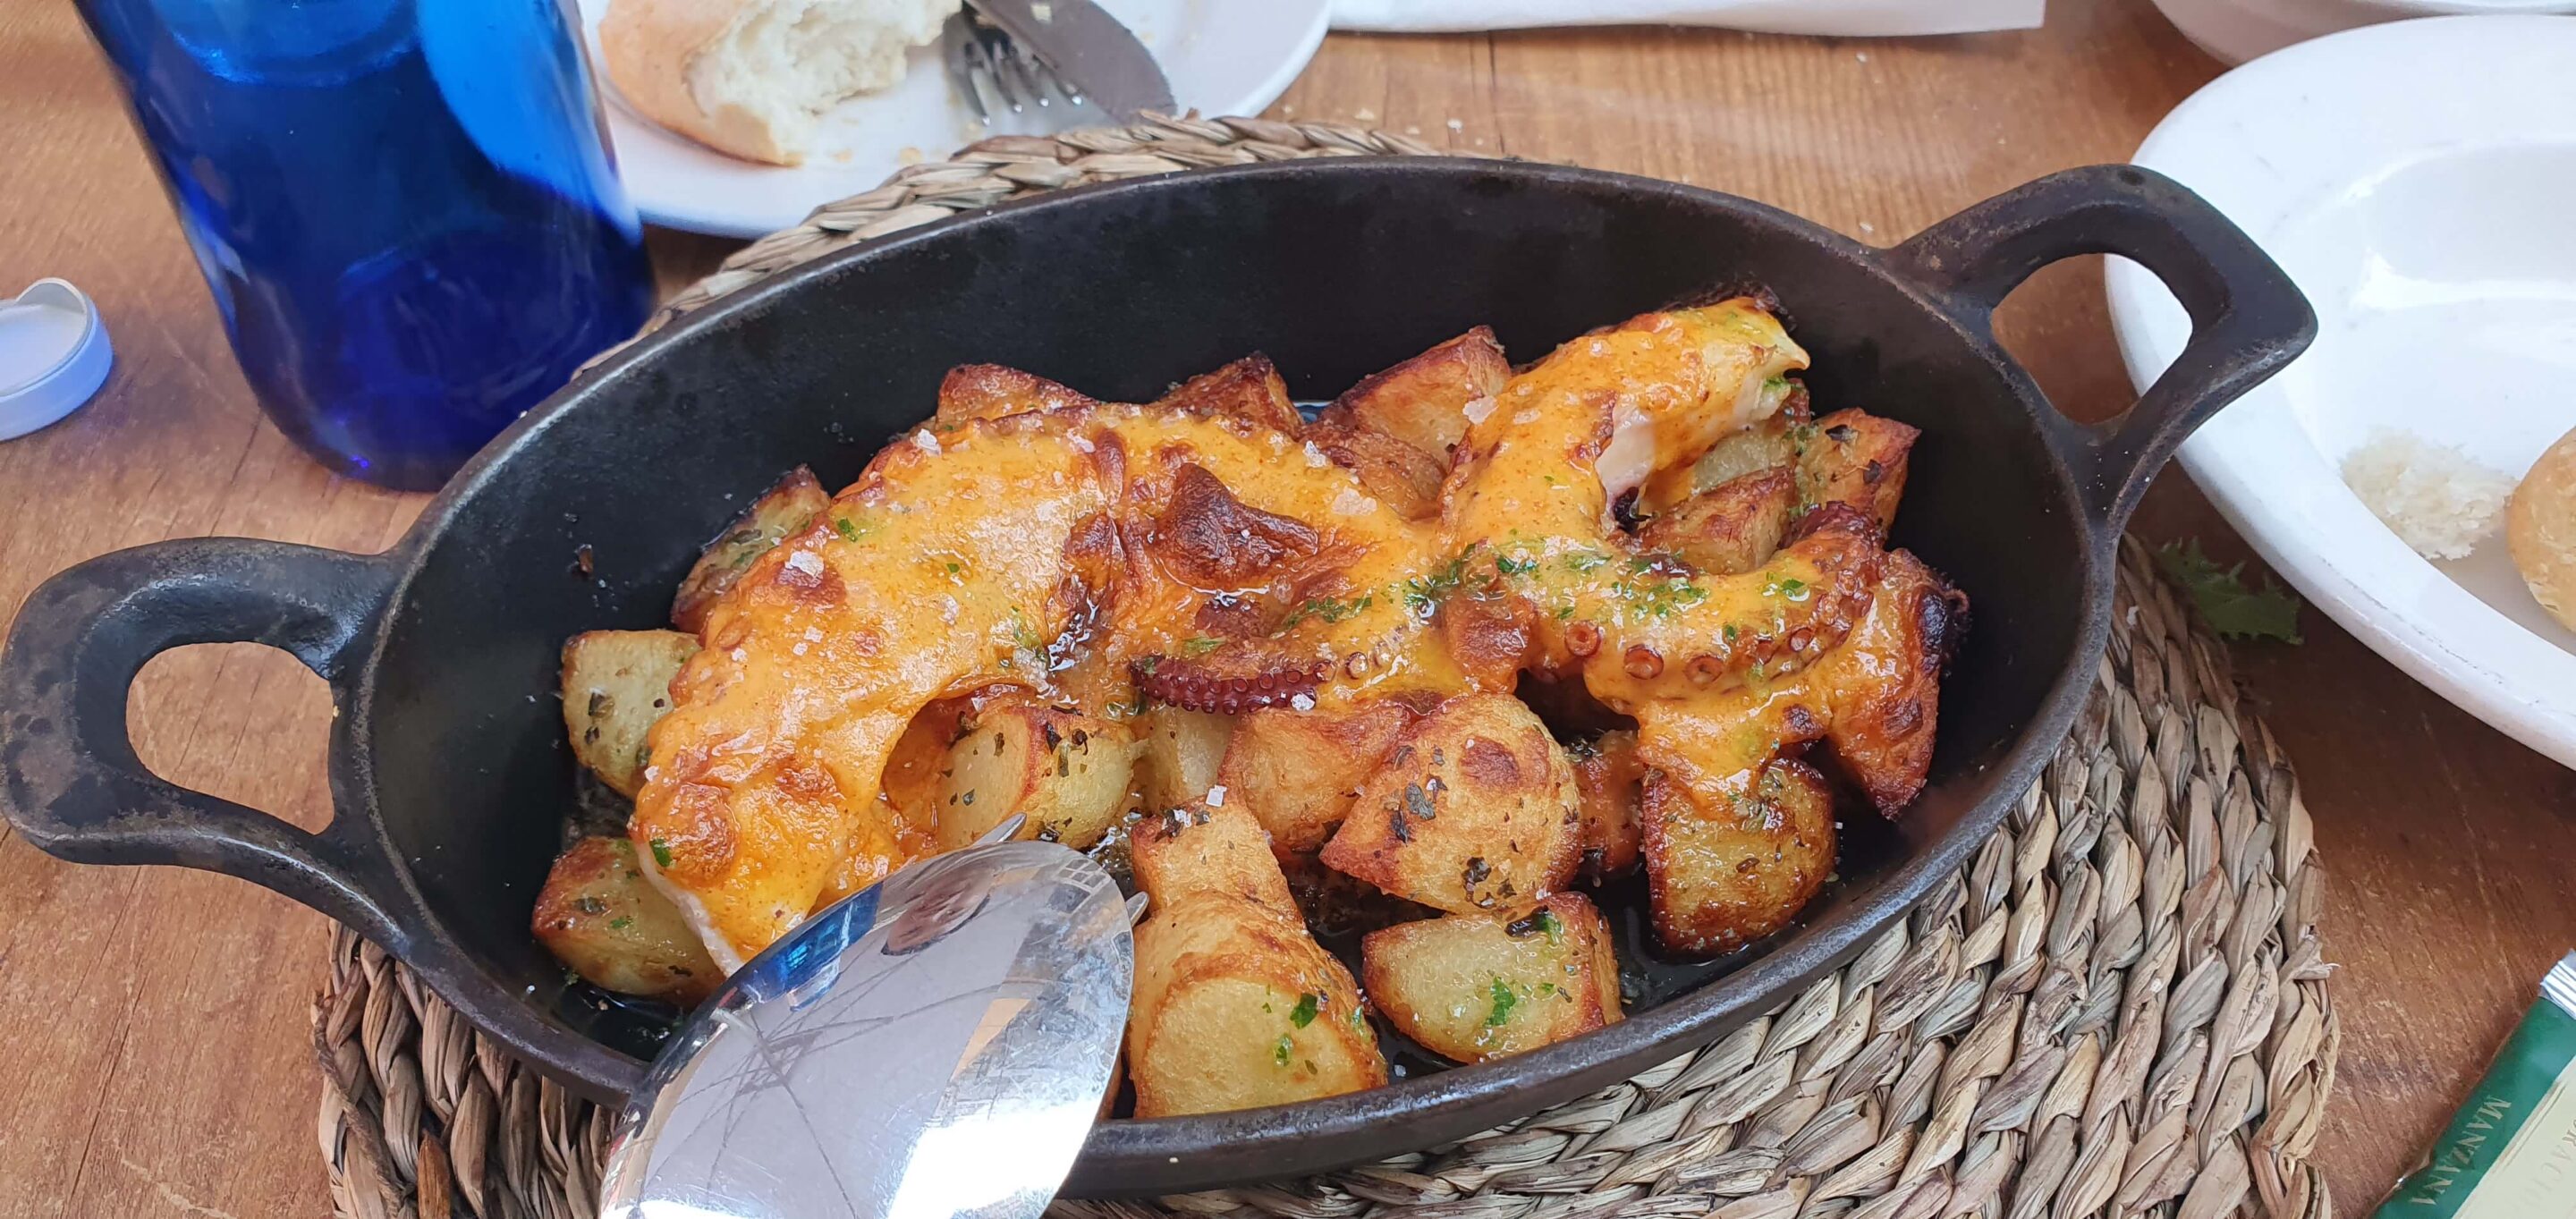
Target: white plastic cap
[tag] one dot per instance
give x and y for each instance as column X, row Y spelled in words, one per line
column 53, row 355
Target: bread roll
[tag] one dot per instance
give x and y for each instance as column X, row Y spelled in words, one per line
column 2540, row 528
column 749, row 77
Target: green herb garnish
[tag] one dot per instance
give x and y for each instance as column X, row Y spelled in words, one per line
column 1503, row 1001
column 1202, row 645
column 849, row 530
column 1511, row 566
column 661, row 853
column 2230, row 608
column 1553, row 926
column 621, row 922
column 1279, row 1051
column 1304, row 1013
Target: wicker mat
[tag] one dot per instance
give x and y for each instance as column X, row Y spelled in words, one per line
column 2120, row 1008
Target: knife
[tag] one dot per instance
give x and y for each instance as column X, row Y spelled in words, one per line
column 1089, row 49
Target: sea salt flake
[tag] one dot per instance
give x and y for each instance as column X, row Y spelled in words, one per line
column 1216, row 796
column 1477, row 409
column 813, row 634
column 1081, row 444
column 926, row 442
column 805, row 563
column 1525, row 416
column 1348, row 502
column 1303, row 702
column 1315, row 458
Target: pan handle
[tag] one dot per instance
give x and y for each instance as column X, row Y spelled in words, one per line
column 69, row 778
column 2247, row 318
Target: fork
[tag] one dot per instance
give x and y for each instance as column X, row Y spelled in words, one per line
column 981, row 57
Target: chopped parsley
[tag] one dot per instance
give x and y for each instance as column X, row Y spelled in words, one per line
column 1513, row 566
column 2223, row 599
column 1329, row 609
column 1503, row 1001
column 1790, row 587
column 1585, row 560
column 621, row 922
column 1553, row 926
column 1423, row 594
column 1202, row 645
column 1280, row 1050
column 661, row 853
column 849, row 530
column 1304, row 1013
column 1660, row 598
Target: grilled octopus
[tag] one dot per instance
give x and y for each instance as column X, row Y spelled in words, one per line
column 1214, row 551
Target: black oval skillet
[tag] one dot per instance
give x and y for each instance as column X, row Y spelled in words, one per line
column 448, row 765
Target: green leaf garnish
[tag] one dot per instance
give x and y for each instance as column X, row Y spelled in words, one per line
column 1304, row 1013
column 2230, row 608
column 1279, row 1052
column 661, row 853
column 1503, row 1001
column 1202, row 645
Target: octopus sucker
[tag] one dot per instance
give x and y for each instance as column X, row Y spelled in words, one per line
column 1214, row 552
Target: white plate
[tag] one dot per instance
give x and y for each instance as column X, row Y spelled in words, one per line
column 1221, row 57
column 2418, row 180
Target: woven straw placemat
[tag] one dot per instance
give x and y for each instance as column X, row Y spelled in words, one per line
column 2119, row 1008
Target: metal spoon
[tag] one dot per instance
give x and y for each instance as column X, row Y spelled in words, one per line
column 936, row 1046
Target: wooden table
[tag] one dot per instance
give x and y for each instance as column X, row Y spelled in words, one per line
column 153, row 1036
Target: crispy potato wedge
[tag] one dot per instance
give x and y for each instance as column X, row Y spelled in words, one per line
column 1884, row 682
column 1400, row 476
column 781, row 512
column 1183, row 752
column 1722, row 878
column 1611, row 782
column 1423, row 401
column 1067, row 772
column 1488, row 632
column 1730, row 528
column 1235, row 1005
column 1196, row 850
column 1248, row 389
column 600, row 917
column 1471, row 987
column 1859, row 459
column 1299, row 770
column 1474, row 810
column 616, row 686
column 991, row 391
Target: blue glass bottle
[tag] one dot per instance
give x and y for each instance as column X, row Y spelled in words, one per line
column 405, row 209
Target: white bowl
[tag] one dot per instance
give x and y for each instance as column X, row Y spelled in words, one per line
column 2238, row 30
column 2418, row 181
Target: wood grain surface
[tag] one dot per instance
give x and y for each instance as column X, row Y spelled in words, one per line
column 153, row 1054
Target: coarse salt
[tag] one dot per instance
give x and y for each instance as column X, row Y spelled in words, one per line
column 1216, row 796
column 1477, row 409
column 1351, row 503
column 805, row 563
column 1302, row 702
column 926, row 442
column 1081, row 443
column 1315, row 458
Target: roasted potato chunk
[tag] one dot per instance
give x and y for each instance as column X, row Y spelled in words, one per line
column 1884, row 682
column 616, row 686
column 1248, row 389
column 1859, row 459
column 1769, row 444
column 1731, row 528
column 1722, row 878
column 1423, row 401
column 991, row 391
column 599, row 916
column 1475, row 986
column 1610, row 782
column 1183, row 751
column 1400, row 476
column 780, row 513
column 1299, row 770
column 1067, row 772
column 1235, row 1005
column 1474, row 810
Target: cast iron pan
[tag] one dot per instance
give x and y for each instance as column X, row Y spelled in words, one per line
column 449, row 779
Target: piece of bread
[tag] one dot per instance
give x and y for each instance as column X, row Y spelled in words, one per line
column 749, row 77
column 2540, row 529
